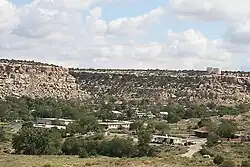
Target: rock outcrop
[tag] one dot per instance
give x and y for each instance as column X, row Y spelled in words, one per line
column 36, row 80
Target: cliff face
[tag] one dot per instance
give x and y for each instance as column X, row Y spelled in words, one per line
column 37, row 81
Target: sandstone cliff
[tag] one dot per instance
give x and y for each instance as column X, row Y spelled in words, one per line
column 37, row 80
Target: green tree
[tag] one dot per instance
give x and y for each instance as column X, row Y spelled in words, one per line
column 73, row 128
column 206, row 151
column 3, row 110
column 137, row 126
column 144, row 138
column 173, row 117
column 212, row 139
column 226, row 129
column 83, row 154
column 2, row 135
column 144, row 149
column 204, row 122
column 32, row 141
column 162, row 127
column 118, row 147
column 88, row 123
column 72, row 146
column 91, row 146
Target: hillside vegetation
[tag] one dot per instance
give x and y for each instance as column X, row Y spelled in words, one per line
column 159, row 86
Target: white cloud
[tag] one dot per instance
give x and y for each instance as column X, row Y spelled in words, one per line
column 8, row 17
column 234, row 13
column 95, row 25
column 194, row 44
column 78, row 4
column 64, row 32
column 135, row 25
column 230, row 10
column 43, row 17
column 239, row 33
column 65, row 4
column 189, row 49
column 96, row 12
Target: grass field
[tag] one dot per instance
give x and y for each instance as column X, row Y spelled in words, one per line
column 7, row 160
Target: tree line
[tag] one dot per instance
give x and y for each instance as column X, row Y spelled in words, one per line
column 38, row 141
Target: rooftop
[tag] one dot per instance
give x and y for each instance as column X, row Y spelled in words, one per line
column 203, row 129
column 115, row 123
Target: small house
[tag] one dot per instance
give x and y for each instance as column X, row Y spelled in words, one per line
column 202, row 132
column 53, row 121
column 114, row 125
column 48, row 126
column 166, row 139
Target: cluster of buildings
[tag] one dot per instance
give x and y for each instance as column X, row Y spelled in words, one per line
column 212, row 70
column 49, row 123
column 150, row 115
column 115, row 124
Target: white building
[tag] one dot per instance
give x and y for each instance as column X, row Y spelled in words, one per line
column 117, row 112
column 51, row 121
column 166, row 139
column 142, row 114
column 217, row 71
column 48, row 126
column 114, row 125
column 212, row 70
column 164, row 113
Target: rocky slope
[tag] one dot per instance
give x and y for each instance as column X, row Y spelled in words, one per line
column 33, row 79
column 159, row 86
column 36, row 80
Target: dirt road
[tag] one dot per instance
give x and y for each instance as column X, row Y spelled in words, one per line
column 195, row 148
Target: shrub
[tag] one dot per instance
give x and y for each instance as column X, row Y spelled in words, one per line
column 32, row 141
column 47, row 165
column 206, row 151
column 226, row 129
column 245, row 163
column 218, row 159
column 83, row 154
column 228, row 163
column 212, row 139
column 118, row 148
column 72, row 146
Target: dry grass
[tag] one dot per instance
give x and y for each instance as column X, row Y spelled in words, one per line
column 72, row 161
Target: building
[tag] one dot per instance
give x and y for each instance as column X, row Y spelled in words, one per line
column 229, row 117
column 114, row 124
column 158, row 139
column 48, row 126
column 141, row 114
column 49, row 123
column 117, row 112
column 212, row 70
column 52, row 121
column 145, row 115
column 163, row 114
column 202, row 132
column 217, row 71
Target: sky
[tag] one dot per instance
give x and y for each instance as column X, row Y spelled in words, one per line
column 162, row 34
